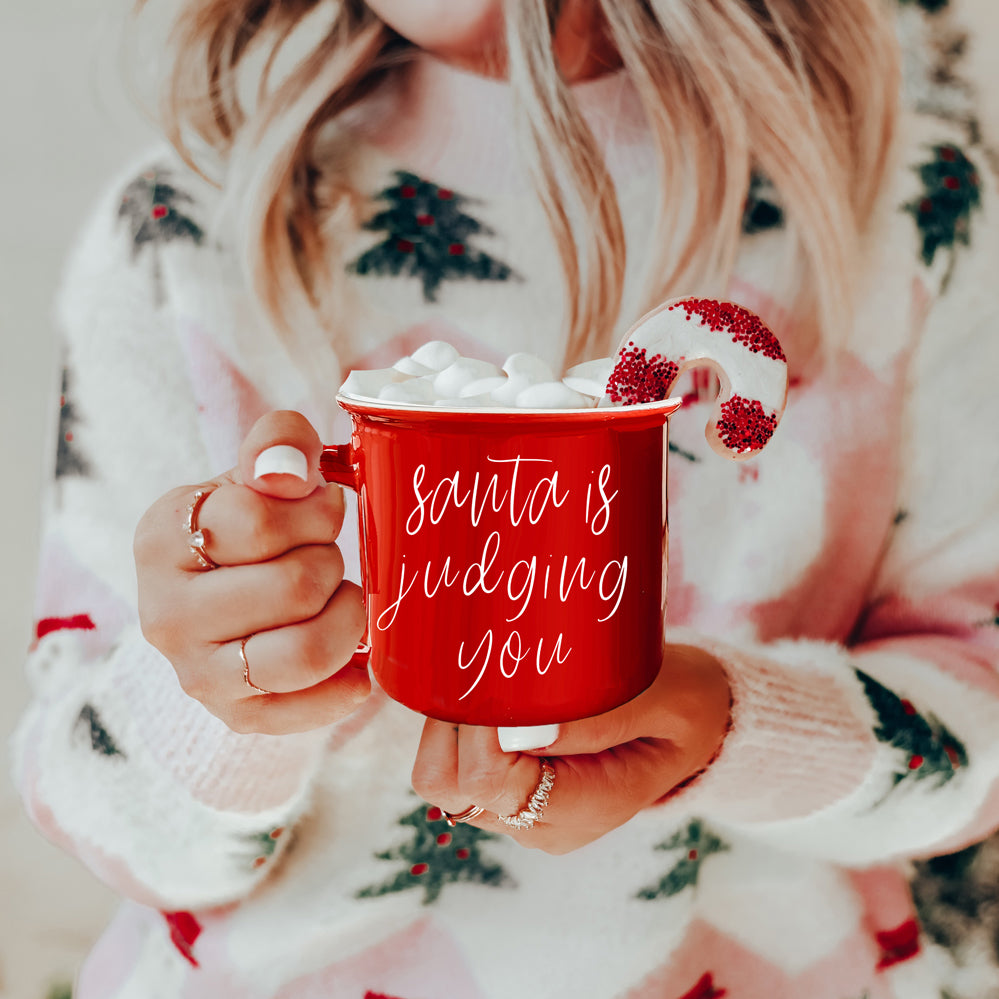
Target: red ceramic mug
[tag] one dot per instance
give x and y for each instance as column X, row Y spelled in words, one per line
column 513, row 562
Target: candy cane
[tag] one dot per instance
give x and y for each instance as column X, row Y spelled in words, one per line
column 687, row 332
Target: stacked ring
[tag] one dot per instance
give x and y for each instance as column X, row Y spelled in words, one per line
column 472, row 812
column 533, row 811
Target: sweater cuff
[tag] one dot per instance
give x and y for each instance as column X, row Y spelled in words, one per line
column 221, row 768
column 798, row 741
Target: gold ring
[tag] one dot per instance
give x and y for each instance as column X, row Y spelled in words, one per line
column 246, row 668
column 537, row 802
column 196, row 539
column 472, row 812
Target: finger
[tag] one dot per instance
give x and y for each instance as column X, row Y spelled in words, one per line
column 594, row 794
column 688, row 704
column 302, row 655
column 280, row 456
column 242, row 525
column 234, row 601
column 500, row 782
column 301, row 711
column 435, row 769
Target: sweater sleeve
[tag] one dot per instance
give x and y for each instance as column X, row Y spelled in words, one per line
column 113, row 760
column 886, row 746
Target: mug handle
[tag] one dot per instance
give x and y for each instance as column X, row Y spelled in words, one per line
column 336, row 464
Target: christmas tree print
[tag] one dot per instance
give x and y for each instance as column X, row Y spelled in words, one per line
column 761, row 211
column 155, row 211
column 437, row 855
column 696, row 844
column 89, row 723
column 69, row 458
column 928, row 749
column 427, row 237
column 255, row 849
column 943, row 210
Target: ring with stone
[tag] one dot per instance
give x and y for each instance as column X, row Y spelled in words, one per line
column 196, row 538
column 534, row 810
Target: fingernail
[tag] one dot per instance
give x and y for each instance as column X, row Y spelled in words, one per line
column 282, row 459
column 513, row 740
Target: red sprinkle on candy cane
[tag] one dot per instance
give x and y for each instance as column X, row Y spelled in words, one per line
column 735, row 341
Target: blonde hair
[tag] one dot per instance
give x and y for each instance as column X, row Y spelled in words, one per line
column 803, row 92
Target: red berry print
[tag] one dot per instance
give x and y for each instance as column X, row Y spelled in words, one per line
column 915, row 761
column 951, row 183
column 744, row 326
column 637, row 378
column 434, row 814
column 404, row 246
column 744, row 425
column 444, row 194
column 159, row 211
column 417, row 869
column 899, row 944
column 443, row 839
column 424, row 219
column 705, row 989
column 407, row 191
column 456, row 249
column 462, row 854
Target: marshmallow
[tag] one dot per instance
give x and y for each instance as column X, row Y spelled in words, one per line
column 435, row 354
column 449, row 382
column 529, row 368
column 590, row 377
column 552, row 395
column 361, row 384
column 482, row 386
column 407, row 366
column 416, row 390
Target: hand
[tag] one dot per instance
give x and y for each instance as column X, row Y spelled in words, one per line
column 607, row 768
column 278, row 584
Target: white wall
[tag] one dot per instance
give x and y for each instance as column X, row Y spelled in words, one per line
column 67, row 125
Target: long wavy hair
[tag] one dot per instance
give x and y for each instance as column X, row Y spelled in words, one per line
column 803, row 91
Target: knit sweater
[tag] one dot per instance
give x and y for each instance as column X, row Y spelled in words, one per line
column 846, row 579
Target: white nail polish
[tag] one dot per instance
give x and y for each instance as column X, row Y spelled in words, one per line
column 282, row 459
column 513, row 740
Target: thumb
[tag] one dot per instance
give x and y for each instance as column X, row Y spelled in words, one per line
column 600, row 732
column 280, row 456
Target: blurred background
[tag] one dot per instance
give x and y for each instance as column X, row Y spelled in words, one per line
column 69, row 123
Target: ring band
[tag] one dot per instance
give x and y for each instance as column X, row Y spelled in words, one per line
column 537, row 803
column 246, row 668
column 472, row 812
column 196, row 539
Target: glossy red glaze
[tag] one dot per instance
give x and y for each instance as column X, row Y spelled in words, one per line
column 514, row 562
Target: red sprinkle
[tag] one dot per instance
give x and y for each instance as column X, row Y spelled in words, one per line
column 637, row 378
column 443, row 839
column 417, row 869
column 407, row 191
column 915, row 762
column 404, row 246
column 434, row 814
column 463, row 853
column 159, row 211
column 745, row 327
column 745, row 425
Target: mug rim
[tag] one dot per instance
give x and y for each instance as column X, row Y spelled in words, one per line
column 377, row 407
